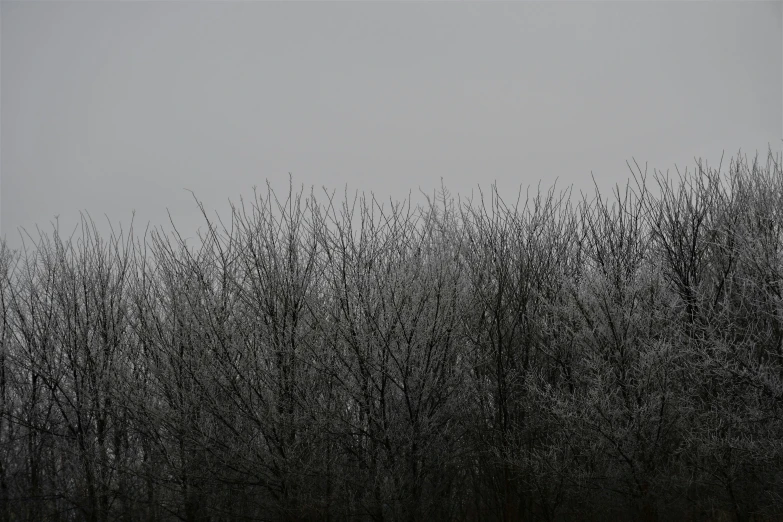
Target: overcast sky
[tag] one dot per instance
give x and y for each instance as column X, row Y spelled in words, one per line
column 114, row 106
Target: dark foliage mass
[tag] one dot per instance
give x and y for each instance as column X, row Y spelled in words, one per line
column 548, row 358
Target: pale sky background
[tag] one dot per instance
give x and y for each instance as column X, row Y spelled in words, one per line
column 114, row 106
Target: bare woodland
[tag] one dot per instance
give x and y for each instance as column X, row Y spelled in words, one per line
column 609, row 357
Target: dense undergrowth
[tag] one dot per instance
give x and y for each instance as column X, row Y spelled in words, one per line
column 614, row 358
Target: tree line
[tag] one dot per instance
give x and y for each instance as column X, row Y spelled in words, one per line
column 548, row 358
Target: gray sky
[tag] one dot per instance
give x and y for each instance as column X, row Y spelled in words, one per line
column 115, row 106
